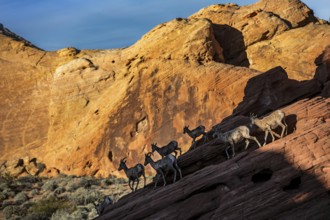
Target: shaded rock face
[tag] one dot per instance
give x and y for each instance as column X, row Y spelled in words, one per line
column 286, row 179
column 264, row 35
column 79, row 112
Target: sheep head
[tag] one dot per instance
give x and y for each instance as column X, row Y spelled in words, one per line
column 154, row 147
column 122, row 164
column 147, row 159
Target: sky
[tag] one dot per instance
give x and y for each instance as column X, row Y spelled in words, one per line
column 103, row 24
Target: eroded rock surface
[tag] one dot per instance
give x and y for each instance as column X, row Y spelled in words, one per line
column 286, row 179
column 81, row 111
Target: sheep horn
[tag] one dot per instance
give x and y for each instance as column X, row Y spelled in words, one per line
column 124, row 160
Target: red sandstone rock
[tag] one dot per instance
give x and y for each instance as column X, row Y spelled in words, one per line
column 276, row 181
column 99, row 106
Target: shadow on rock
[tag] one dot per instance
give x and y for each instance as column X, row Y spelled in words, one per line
column 234, row 46
column 258, row 185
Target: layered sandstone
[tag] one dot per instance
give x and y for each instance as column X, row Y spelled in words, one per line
column 79, row 112
column 286, row 179
column 269, row 33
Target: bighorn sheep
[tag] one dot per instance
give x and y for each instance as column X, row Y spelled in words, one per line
column 163, row 165
column 272, row 121
column 194, row 133
column 234, row 136
column 101, row 206
column 204, row 139
column 167, row 149
column 133, row 173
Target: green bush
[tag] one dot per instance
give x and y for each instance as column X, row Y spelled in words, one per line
column 84, row 196
column 46, row 207
column 28, row 179
column 6, row 177
column 10, row 212
column 72, row 185
column 88, row 181
column 4, row 186
column 59, row 190
column 21, row 198
column 108, row 181
column 49, row 185
column 60, row 214
column 34, row 192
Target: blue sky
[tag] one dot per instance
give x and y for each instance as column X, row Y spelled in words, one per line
column 101, row 24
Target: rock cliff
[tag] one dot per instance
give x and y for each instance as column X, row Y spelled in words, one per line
column 286, row 179
column 80, row 111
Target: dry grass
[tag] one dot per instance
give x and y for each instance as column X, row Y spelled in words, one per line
column 64, row 197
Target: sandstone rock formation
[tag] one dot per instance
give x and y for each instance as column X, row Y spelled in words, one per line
column 80, row 111
column 286, row 179
column 268, row 34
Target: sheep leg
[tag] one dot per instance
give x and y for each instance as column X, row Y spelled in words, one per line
column 180, row 151
column 283, row 129
column 174, row 170
column 266, row 135
column 276, row 135
column 129, row 184
column 227, row 154
column 271, row 133
column 137, row 183
column 232, row 149
column 161, row 172
column 144, row 177
column 178, row 168
column 157, row 175
column 246, row 143
column 133, row 181
column 286, row 127
column 255, row 139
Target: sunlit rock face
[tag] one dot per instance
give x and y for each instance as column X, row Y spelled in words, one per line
column 81, row 111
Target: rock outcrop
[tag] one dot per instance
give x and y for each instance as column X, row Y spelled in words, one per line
column 286, row 179
column 80, row 111
column 268, row 34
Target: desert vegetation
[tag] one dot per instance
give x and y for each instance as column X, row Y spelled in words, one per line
column 62, row 197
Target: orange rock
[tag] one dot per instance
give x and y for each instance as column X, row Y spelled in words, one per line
column 81, row 111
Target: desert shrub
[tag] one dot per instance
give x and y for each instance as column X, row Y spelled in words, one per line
column 28, row 179
column 61, row 214
column 34, row 216
column 10, row 212
column 6, row 194
column 22, row 185
column 9, row 192
column 6, row 177
column 108, row 181
column 4, row 186
column 62, row 180
column 120, row 180
column 46, row 207
column 84, row 196
column 72, row 185
column 92, row 211
column 6, row 203
column 49, row 185
column 21, row 197
column 88, row 181
column 3, row 196
column 59, row 190
column 34, row 192
column 80, row 213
